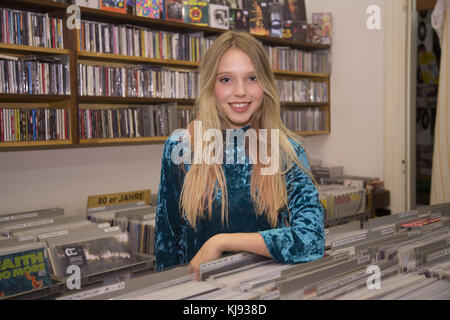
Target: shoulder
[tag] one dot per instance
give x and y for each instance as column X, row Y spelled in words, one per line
column 177, row 148
column 300, row 152
column 177, row 137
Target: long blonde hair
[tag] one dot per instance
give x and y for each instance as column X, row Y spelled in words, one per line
column 268, row 192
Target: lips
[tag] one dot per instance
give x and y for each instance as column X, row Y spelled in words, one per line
column 240, row 106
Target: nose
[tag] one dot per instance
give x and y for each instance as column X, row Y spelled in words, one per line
column 240, row 90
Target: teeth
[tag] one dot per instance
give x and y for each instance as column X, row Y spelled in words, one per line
column 239, row 105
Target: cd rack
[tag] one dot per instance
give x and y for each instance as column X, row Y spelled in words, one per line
column 410, row 250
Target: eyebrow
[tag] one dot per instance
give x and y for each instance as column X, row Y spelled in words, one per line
column 230, row 72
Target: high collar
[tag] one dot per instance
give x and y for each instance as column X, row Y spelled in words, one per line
column 243, row 129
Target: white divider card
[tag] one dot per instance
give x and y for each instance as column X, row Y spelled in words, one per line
column 215, row 264
column 53, row 234
column 343, row 252
column 94, row 292
column 436, row 214
column 348, row 240
column 387, row 231
column 51, row 212
column 103, row 225
column 407, row 214
column 26, row 238
column 272, row 295
column 31, row 224
column 19, row 217
column 111, row 229
column 336, row 283
column 227, row 263
column 437, row 255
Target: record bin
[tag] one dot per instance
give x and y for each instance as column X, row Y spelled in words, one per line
column 145, row 265
column 46, row 293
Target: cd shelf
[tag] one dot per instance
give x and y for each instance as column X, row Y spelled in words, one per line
column 82, row 55
column 17, row 48
column 166, row 25
column 11, row 97
column 140, row 60
column 296, row 74
column 74, row 56
column 137, row 100
column 35, row 124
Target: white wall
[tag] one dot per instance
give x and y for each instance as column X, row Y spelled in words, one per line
column 49, row 178
column 65, row 178
column 356, row 139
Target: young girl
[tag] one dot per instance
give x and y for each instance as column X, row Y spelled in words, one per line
column 206, row 208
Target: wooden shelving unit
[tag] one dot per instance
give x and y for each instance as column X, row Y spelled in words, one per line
column 74, row 101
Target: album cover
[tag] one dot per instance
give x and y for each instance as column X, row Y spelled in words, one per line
column 219, row 16
column 239, row 20
column 23, row 268
column 258, row 17
column 149, row 8
column 276, row 18
column 323, row 20
column 95, row 255
column 114, row 5
column 87, row 3
column 295, row 30
column 195, row 12
column 233, row 4
column 294, row 10
column 314, row 34
column 173, row 10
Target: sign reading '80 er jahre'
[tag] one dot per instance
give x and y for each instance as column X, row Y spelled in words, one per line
column 141, row 197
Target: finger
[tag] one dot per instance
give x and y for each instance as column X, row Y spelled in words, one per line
column 194, row 269
column 191, row 268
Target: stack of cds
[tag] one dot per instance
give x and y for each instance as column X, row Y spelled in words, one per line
column 138, row 222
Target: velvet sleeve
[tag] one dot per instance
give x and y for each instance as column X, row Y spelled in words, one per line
column 168, row 219
column 303, row 240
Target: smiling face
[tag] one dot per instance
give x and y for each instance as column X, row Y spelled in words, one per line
column 237, row 92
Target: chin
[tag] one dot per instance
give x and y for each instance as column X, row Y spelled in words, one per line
column 239, row 123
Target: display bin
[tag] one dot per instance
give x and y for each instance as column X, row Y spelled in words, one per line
column 145, row 265
column 46, row 293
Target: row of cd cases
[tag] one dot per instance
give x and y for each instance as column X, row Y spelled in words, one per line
column 402, row 256
column 38, row 247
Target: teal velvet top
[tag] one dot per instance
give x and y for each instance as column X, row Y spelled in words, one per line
column 300, row 240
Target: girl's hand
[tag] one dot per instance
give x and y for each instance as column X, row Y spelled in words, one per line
column 229, row 242
column 210, row 250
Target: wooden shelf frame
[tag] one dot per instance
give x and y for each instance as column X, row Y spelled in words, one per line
column 23, row 49
column 109, row 57
column 75, row 57
column 82, row 55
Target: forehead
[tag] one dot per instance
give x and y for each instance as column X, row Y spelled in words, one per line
column 235, row 60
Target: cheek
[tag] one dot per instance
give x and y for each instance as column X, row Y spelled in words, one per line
column 222, row 92
column 256, row 93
